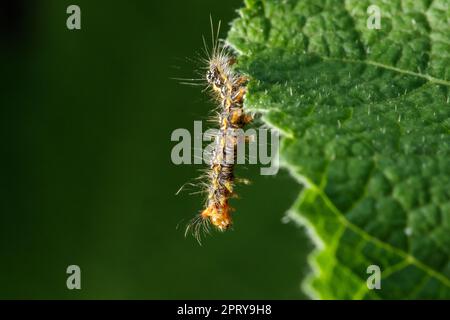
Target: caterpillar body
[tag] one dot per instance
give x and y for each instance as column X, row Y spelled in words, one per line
column 228, row 88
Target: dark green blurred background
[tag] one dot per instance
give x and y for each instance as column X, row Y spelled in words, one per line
column 86, row 118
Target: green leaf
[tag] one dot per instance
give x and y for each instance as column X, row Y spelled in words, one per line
column 366, row 120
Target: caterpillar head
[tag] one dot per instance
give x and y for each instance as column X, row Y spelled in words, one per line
column 214, row 77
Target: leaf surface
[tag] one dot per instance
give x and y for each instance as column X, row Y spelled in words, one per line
column 365, row 115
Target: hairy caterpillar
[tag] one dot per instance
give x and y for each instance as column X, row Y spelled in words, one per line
column 228, row 88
